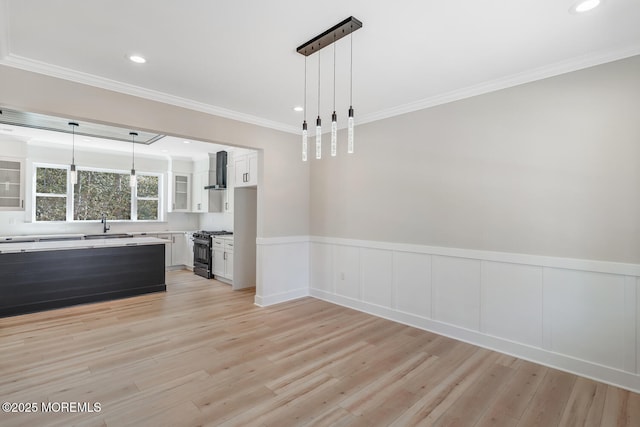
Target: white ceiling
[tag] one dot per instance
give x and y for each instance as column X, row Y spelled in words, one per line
column 238, row 59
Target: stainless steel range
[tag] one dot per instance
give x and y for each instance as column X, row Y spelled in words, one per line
column 202, row 256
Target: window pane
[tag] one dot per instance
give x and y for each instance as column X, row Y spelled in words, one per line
column 50, row 180
column 51, row 208
column 147, row 209
column 147, row 186
column 102, row 192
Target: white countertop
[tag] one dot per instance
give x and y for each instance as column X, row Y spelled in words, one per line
column 6, row 248
column 18, row 238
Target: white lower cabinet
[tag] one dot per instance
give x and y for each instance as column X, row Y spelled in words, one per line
column 176, row 250
column 189, row 253
column 223, row 259
column 167, row 248
column 179, row 249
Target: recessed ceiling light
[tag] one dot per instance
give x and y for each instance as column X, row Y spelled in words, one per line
column 298, row 108
column 137, row 59
column 186, row 142
column 581, row 6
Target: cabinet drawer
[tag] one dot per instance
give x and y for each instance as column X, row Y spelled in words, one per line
column 228, row 246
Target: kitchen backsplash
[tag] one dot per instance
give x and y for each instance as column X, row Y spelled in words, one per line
column 216, row 221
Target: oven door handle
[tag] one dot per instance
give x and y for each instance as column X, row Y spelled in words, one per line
column 205, row 242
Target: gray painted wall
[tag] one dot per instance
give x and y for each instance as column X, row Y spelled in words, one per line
column 549, row 167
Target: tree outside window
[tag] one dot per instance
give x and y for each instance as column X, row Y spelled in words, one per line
column 100, row 193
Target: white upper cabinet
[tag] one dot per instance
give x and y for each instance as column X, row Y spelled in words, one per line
column 246, row 169
column 201, row 178
column 231, row 182
column 11, row 184
column 181, row 184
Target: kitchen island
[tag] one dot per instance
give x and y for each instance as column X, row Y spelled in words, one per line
column 36, row 276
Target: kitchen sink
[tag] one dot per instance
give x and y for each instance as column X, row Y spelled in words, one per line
column 107, row 236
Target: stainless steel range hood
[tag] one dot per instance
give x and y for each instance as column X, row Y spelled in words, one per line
column 217, row 171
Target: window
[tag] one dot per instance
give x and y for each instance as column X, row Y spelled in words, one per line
column 147, row 200
column 51, row 194
column 97, row 192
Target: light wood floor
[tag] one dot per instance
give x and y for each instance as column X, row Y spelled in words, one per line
column 202, row 354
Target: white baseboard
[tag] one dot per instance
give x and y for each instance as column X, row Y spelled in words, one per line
column 264, row 301
column 579, row 316
column 554, row 360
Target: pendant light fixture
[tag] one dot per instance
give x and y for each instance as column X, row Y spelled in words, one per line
column 73, row 171
column 318, row 121
column 133, row 181
column 330, row 36
column 334, row 117
column 350, row 119
column 304, row 123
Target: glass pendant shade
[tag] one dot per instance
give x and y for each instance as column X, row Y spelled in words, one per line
column 304, row 141
column 350, row 132
column 133, row 181
column 73, row 174
column 334, row 134
column 318, row 138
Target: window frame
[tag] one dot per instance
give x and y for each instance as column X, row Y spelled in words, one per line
column 135, row 198
column 35, row 194
column 70, row 194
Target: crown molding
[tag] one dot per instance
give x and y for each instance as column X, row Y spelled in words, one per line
column 562, row 67
column 558, row 68
column 39, row 67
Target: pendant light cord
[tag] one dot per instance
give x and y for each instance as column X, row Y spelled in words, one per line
column 351, row 71
column 318, row 84
column 305, row 88
column 73, row 146
column 334, row 72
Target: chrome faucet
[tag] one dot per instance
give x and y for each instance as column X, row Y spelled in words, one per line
column 104, row 221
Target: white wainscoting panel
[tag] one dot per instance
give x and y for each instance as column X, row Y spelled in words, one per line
column 412, row 273
column 513, row 292
column 282, row 269
column 346, row 262
column 456, row 291
column 377, row 276
column 580, row 316
column 321, row 258
column 637, row 334
column 630, row 324
column 586, row 315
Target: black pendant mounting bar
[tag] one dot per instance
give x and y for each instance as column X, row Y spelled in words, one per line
column 333, row 34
